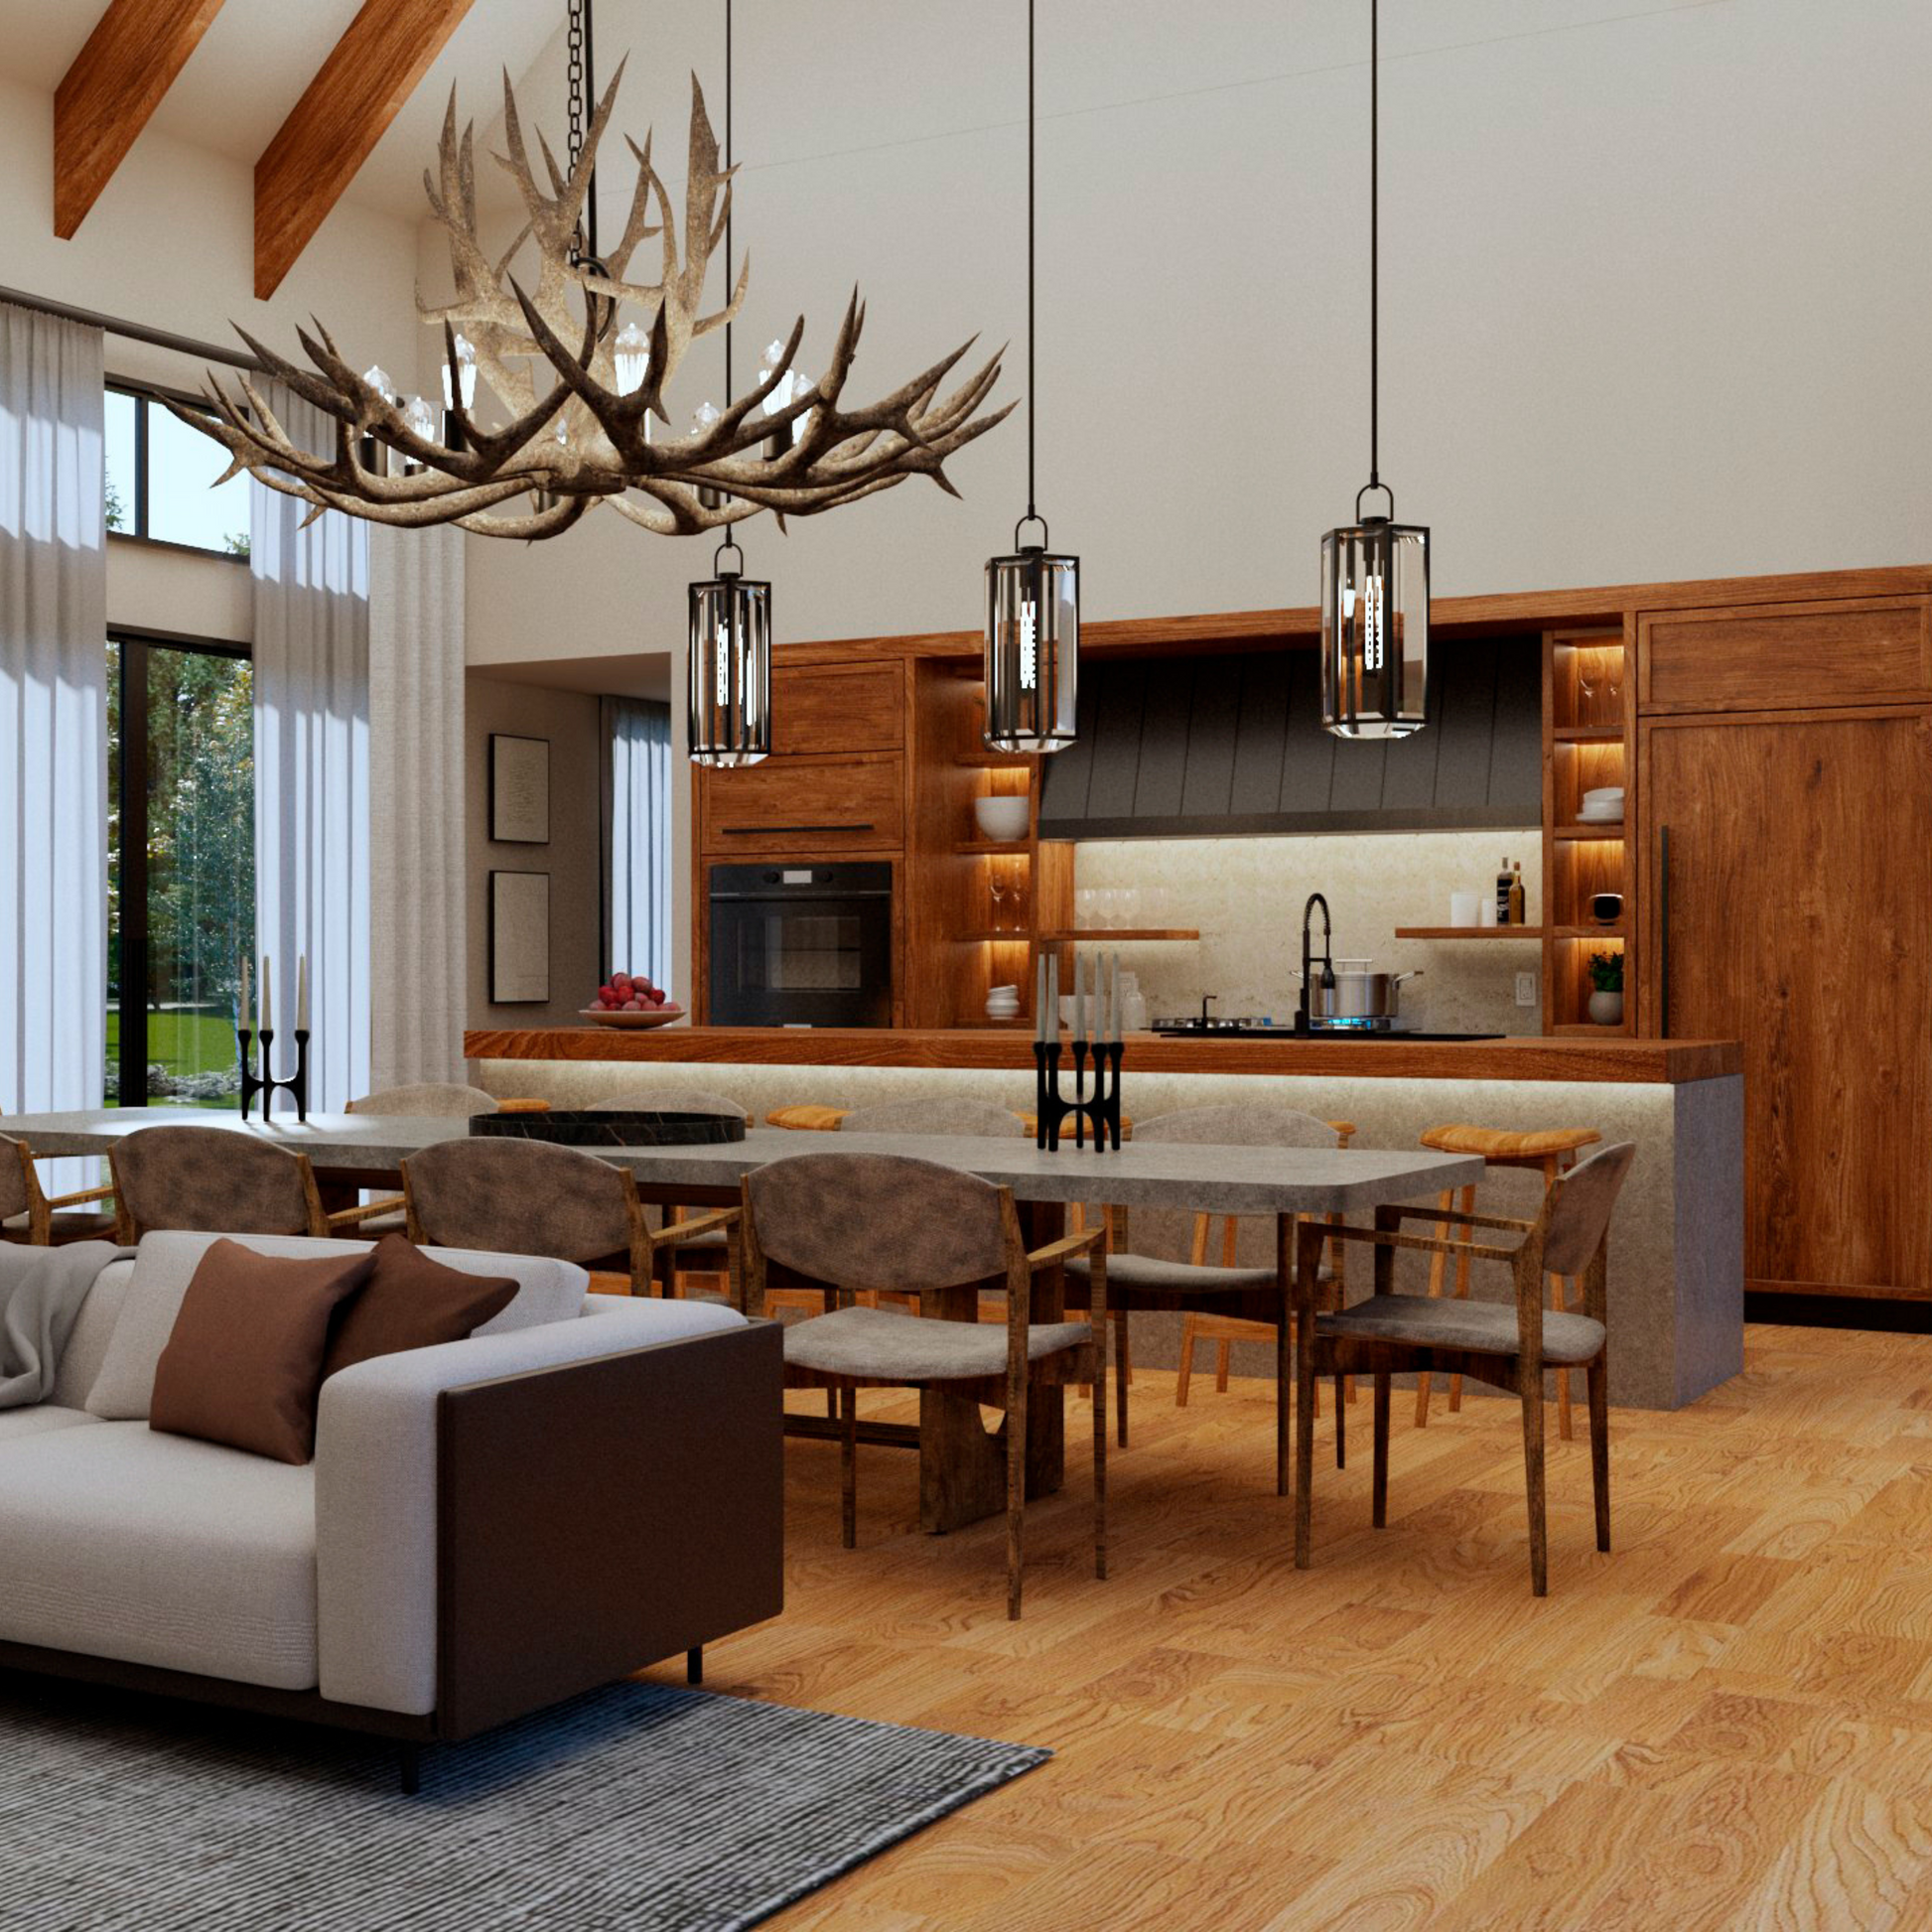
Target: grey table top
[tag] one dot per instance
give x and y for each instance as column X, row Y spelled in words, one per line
column 1167, row 1173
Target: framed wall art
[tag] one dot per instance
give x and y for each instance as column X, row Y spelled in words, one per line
column 519, row 789
column 519, row 938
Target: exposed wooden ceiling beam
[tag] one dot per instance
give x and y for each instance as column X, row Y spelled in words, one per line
column 333, row 128
column 105, row 97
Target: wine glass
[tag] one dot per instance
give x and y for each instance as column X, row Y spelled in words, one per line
column 1002, row 894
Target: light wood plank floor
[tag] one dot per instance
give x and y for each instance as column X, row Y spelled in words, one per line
column 1728, row 1722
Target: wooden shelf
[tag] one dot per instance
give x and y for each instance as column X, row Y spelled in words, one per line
column 1013, row 847
column 1000, row 938
column 1612, row 830
column 998, row 760
column 1468, row 932
column 1590, row 931
column 1587, row 735
column 1589, row 1029
column 1120, row 935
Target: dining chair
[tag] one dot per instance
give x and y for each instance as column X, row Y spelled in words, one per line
column 28, row 1214
column 1156, row 1258
column 1509, row 1347
column 532, row 1197
column 703, row 1258
column 215, row 1179
column 895, row 1224
column 423, row 1100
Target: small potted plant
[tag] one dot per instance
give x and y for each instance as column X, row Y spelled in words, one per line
column 1606, row 982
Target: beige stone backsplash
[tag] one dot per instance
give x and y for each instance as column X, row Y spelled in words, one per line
column 1246, row 895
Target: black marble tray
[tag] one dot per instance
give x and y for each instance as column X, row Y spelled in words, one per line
column 637, row 1128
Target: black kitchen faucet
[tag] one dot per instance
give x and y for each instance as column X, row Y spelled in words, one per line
column 1303, row 1013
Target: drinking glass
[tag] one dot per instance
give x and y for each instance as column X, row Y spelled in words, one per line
column 1002, row 896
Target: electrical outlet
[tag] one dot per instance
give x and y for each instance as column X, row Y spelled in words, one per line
column 1526, row 989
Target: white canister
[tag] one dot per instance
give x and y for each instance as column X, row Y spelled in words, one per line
column 1464, row 907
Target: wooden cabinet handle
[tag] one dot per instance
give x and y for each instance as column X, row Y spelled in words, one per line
column 765, row 831
column 1663, row 932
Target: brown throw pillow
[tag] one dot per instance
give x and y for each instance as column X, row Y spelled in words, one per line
column 412, row 1302
column 243, row 1363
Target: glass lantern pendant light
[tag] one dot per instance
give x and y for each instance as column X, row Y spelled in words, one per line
column 729, row 663
column 1033, row 598
column 1375, row 571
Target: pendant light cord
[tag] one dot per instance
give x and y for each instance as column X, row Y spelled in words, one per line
column 1374, row 245
column 1032, row 513
column 730, row 195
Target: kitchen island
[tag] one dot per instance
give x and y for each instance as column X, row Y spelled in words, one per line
column 1676, row 1246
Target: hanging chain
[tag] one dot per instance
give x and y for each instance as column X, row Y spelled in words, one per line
column 1374, row 245
column 730, row 197
column 577, row 70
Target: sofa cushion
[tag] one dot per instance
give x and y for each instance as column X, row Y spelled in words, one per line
column 93, row 1329
column 243, row 1361
column 412, row 1302
column 547, row 1291
column 16, row 1425
column 118, row 1542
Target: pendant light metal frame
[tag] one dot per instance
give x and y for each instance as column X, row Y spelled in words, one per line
column 1375, row 571
column 1033, row 596
column 728, row 664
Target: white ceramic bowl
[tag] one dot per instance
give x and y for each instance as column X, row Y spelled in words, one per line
column 652, row 1016
column 1605, row 795
column 1000, row 819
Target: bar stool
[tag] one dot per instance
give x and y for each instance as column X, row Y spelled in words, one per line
column 1549, row 1150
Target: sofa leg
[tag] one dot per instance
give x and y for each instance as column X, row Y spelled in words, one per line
column 411, row 1770
column 694, row 1665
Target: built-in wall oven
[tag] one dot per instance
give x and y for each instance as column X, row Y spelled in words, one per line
column 801, row 946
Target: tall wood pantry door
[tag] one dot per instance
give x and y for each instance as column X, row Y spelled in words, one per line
column 1798, row 918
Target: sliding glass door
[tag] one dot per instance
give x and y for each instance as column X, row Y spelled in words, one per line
column 180, row 881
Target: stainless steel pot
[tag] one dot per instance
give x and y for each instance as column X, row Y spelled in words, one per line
column 1357, row 993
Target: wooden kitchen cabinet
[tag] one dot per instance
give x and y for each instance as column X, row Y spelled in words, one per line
column 825, row 707
column 805, row 808
column 1787, row 876
column 1764, row 656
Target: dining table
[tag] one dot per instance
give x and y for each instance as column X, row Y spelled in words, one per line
column 962, row 1462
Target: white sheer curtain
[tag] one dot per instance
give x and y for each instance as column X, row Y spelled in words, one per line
column 312, row 768
column 53, row 717
column 641, row 839
column 416, row 794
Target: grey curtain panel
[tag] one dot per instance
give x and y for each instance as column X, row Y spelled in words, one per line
column 52, row 716
column 416, row 799
column 641, row 839
column 312, row 768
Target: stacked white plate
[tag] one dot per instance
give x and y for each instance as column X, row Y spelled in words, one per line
column 1603, row 806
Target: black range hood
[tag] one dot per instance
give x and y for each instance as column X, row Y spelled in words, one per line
column 1202, row 746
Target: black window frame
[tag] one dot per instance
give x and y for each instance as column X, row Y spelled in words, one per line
column 136, row 641
column 143, row 395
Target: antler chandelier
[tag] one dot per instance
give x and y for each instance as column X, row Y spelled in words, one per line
column 577, row 384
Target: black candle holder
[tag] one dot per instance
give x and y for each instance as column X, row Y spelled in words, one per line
column 1099, row 1110
column 265, row 1082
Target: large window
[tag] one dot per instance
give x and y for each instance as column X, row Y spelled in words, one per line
column 181, row 872
column 161, row 480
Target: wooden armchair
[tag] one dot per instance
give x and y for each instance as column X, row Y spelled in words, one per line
column 216, row 1180
column 530, row 1198
column 1508, row 1346
column 27, row 1214
column 902, row 1226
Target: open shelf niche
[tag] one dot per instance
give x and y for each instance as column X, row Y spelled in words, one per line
column 1589, row 724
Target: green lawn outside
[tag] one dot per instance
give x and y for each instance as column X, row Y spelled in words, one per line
column 183, row 1044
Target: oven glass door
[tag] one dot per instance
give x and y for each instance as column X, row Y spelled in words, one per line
column 814, row 962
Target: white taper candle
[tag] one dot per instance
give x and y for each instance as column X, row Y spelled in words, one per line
column 302, row 993
column 269, row 1018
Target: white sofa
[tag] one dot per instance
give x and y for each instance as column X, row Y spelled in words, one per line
column 487, row 1526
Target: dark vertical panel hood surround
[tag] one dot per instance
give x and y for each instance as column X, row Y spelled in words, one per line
column 1186, row 747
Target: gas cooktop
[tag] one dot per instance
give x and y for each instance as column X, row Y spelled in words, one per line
column 1232, row 1027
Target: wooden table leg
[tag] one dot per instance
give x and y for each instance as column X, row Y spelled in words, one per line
column 962, row 1464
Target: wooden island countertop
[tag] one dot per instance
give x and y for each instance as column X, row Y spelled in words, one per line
column 1614, row 1061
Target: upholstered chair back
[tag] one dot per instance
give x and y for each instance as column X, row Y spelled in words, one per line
column 16, row 1178
column 1581, row 1205
column 428, row 1100
column 878, row 1220
column 941, row 1114
column 1166, row 1234
column 674, row 1100
column 212, row 1180
column 517, row 1197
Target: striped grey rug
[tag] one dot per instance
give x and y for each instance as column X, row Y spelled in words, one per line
column 635, row 1809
